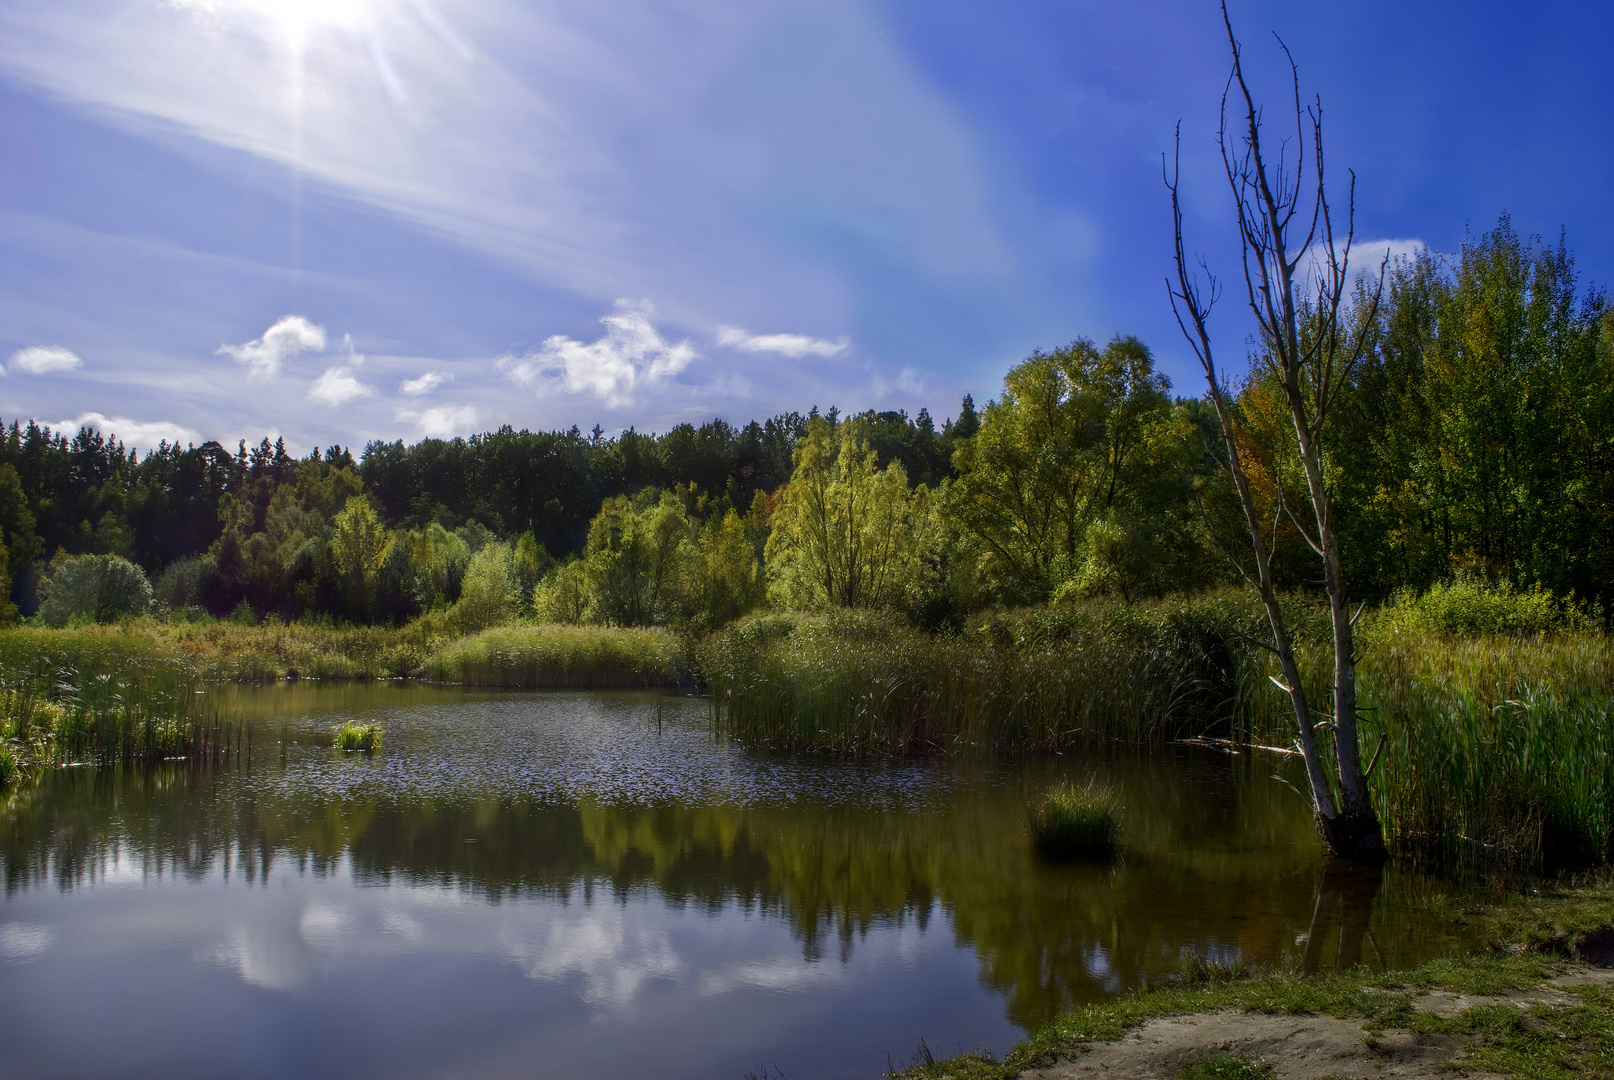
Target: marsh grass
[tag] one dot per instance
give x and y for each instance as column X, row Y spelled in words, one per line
column 1497, row 748
column 862, row 683
column 1073, row 822
column 354, row 737
column 104, row 697
column 552, row 655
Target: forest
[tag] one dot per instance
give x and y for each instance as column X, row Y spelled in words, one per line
column 1476, row 440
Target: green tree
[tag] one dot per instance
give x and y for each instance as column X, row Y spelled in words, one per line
column 490, row 594
column 846, row 533
column 1076, row 433
column 359, row 543
column 637, row 559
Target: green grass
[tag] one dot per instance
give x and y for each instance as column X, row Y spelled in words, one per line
column 353, row 737
column 1072, row 822
column 552, row 655
column 1497, row 749
column 103, row 697
column 1221, row 1066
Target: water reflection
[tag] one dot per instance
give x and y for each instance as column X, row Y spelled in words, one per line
column 576, row 842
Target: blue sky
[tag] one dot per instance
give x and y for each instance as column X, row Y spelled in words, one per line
column 342, row 220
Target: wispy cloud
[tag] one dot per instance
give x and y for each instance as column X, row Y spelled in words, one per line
column 45, row 360
column 141, row 434
column 596, row 161
column 443, row 422
column 631, row 352
column 336, row 385
column 289, row 337
column 425, row 384
column 794, row 346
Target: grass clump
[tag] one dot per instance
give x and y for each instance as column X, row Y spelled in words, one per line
column 353, row 737
column 1073, row 822
column 1223, row 1066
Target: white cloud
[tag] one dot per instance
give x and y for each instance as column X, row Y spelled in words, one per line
column 45, row 359
column 443, row 422
column 631, row 352
column 336, row 386
column 287, row 338
column 1365, row 256
column 136, row 434
column 794, row 346
column 425, row 384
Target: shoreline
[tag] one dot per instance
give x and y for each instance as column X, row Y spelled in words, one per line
column 1538, row 1006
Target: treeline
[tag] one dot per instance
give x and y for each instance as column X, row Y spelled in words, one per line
column 1476, row 439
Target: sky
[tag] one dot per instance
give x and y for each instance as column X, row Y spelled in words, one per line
column 336, row 221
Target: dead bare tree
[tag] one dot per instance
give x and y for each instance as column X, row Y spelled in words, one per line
column 1296, row 275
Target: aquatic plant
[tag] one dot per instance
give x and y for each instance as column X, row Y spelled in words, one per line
column 354, row 737
column 552, row 655
column 1072, row 822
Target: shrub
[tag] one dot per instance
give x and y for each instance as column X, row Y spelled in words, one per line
column 1471, row 605
column 104, row 588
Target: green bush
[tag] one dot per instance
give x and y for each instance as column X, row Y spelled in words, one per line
column 103, row 588
column 1471, row 605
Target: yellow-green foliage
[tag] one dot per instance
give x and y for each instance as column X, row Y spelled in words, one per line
column 354, row 737
column 556, row 656
column 1470, row 605
column 846, row 533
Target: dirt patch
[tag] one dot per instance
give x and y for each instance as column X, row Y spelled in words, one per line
column 1298, row 1048
column 1303, row 1047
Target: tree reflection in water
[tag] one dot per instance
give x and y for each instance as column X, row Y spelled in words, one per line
column 1220, row 858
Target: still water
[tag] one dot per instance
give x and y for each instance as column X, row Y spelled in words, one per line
column 590, row 884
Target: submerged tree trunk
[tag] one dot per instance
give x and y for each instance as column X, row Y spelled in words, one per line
column 1305, row 347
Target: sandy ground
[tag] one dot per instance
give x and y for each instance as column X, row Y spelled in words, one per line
column 1298, row 1047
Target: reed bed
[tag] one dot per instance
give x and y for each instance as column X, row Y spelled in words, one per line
column 552, row 655
column 1497, row 749
column 859, row 683
column 92, row 696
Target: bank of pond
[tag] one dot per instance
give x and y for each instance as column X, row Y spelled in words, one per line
column 1493, row 743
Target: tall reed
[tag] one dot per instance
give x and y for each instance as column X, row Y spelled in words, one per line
column 552, row 655
column 862, row 683
column 1495, row 748
column 102, row 697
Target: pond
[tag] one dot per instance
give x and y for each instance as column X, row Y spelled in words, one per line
column 591, row 884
